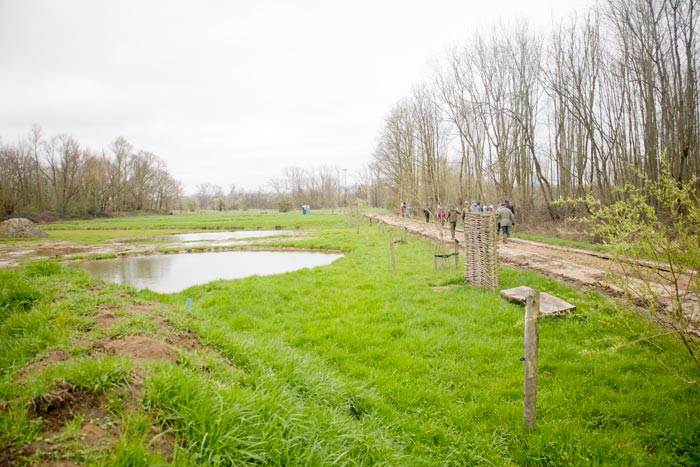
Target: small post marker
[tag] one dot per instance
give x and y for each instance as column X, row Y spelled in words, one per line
column 189, row 303
column 456, row 254
column 391, row 247
column 532, row 315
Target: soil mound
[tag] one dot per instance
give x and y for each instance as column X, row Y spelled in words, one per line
column 20, row 228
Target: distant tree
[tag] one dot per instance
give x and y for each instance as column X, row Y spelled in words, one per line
column 207, row 194
column 143, row 170
column 118, row 173
column 9, row 181
column 284, row 203
column 65, row 166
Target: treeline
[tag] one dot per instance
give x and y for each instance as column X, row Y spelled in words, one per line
column 324, row 187
column 511, row 114
column 56, row 174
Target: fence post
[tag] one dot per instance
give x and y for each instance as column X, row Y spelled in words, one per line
column 391, row 247
column 456, row 254
column 532, row 315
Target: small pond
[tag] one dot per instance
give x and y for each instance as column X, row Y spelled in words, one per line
column 176, row 272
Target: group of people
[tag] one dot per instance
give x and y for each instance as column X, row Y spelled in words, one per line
column 505, row 215
column 406, row 210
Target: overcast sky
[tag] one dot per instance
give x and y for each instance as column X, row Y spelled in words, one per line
column 230, row 92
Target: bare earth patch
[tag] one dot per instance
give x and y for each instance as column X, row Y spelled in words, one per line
column 138, row 347
column 55, row 409
column 106, row 320
column 53, row 357
column 66, row 401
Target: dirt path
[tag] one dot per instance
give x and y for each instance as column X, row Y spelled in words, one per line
column 577, row 267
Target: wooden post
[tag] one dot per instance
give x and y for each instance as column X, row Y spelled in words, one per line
column 456, row 254
column 393, row 256
column 532, row 338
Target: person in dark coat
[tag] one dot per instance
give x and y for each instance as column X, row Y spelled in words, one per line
column 510, row 206
column 453, row 216
column 505, row 219
column 426, row 213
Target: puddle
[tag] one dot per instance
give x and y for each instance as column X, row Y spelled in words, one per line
column 222, row 236
column 174, row 273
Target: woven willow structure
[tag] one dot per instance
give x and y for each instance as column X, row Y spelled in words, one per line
column 481, row 249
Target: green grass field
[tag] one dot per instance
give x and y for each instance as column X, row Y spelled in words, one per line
column 234, row 220
column 348, row 364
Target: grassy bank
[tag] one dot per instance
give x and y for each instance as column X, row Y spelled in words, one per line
column 135, row 227
column 229, row 220
column 349, row 364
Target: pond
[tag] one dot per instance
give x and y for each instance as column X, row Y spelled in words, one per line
column 176, row 272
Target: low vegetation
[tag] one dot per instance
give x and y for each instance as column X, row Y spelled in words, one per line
column 652, row 233
column 231, row 220
column 348, row 364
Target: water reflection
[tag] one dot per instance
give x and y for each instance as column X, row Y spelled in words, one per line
column 174, row 273
column 219, row 236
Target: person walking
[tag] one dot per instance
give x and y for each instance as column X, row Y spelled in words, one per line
column 426, row 213
column 509, row 206
column 453, row 216
column 506, row 219
column 441, row 215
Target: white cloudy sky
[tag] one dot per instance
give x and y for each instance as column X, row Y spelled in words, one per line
column 230, row 92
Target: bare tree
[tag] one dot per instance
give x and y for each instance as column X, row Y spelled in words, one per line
column 430, row 146
column 65, row 163
column 9, row 182
column 207, row 195
column 118, row 173
column 460, row 103
column 396, row 157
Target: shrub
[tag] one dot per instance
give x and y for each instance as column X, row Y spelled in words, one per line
column 655, row 234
